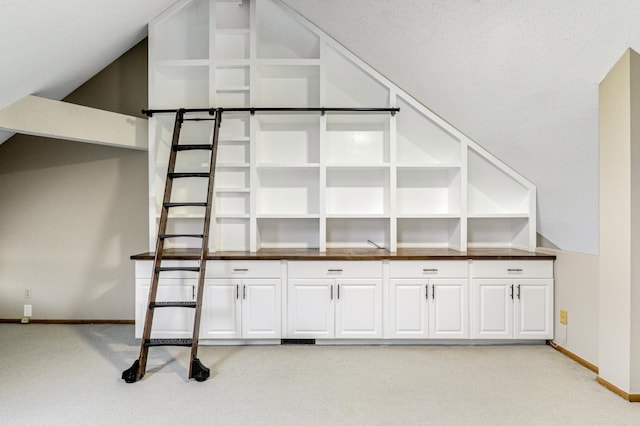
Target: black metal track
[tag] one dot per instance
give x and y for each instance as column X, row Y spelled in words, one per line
column 252, row 110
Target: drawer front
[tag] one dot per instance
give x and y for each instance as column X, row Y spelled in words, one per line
column 429, row 269
column 335, row 269
column 215, row 269
column 243, row 269
column 512, row 269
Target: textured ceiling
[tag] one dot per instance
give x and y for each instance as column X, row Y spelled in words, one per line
column 49, row 48
column 519, row 77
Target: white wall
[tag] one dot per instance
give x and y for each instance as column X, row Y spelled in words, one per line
column 72, row 214
column 576, row 291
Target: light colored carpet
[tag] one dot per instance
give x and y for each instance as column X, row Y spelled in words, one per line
column 70, row 374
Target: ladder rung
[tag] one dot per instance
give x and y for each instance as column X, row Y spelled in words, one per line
column 192, row 147
column 168, row 342
column 172, row 305
column 165, row 236
column 175, row 175
column 168, row 205
column 178, row 268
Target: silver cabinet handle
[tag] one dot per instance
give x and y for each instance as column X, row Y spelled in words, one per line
column 237, row 291
column 240, row 270
column 430, row 270
column 244, row 291
column 511, row 291
column 334, row 271
column 426, row 290
column 518, row 291
column 338, row 291
column 193, row 291
column 514, row 269
column 331, row 294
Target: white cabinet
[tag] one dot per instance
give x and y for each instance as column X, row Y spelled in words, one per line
column 426, row 302
column 326, row 300
column 240, row 302
column 512, row 300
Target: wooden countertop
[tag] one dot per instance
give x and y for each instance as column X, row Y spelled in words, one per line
column 352, row 254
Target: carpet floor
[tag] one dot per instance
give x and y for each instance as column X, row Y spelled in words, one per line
column 70, row 375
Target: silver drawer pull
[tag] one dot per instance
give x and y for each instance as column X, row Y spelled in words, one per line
column 240, row 270
column 430, row 270
column 334, row 271
column 514, row 269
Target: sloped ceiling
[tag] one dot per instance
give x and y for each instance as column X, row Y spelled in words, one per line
column 49, row 48
column 518, row 77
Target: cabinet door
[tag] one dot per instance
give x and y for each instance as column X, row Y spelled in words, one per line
column 359, row 308
column 261, row 315
column 448, row 313
column 168, row 323
column 493, row 309
column 310, row 309
column 221, row 310
column 408, row 309
column 534, row 309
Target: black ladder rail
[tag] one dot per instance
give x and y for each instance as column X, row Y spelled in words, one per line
column 196, row 369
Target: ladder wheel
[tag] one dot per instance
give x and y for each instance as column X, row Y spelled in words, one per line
column 199, row 371
column 129, row 375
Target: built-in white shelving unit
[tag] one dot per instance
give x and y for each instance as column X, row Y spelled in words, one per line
column 311, row 180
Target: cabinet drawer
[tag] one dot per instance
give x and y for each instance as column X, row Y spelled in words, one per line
column 243, row 269
column 429, row 269
column 512, row 269
column 215, row 269
column 337, row 269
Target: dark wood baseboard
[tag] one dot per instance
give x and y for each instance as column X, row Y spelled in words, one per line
column 67, row 321
column 583, row 362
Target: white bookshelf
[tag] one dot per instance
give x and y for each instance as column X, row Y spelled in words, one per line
column 311, row 180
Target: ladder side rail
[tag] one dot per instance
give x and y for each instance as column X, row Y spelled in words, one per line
column 157, row 262
column 195, row 367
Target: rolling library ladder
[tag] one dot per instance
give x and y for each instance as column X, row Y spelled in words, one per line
column 196, row 369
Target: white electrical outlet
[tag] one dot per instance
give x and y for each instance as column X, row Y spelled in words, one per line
column 27, row 310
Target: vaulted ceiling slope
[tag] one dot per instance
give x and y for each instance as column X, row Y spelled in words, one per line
column 518, row 77
column 49, row 48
